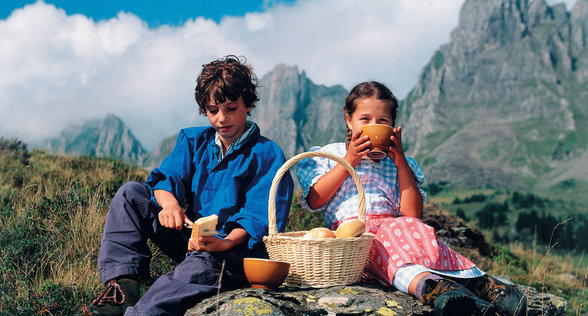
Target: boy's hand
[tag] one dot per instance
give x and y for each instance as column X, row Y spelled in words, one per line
column 173, row 217
column 209, row 244
column 214, row 244
column 171, row 214
column 358, row 147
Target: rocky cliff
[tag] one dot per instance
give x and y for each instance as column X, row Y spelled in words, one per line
column 161, row 150
column 108, row 137
column 504, row 103
column 296, row 113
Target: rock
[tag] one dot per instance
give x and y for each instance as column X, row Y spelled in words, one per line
column 359, row 299
column 365, row 299
column 454, row 232
column 368, row 298
column 544, row 304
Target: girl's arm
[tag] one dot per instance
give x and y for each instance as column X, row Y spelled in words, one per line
column 411, row 200
column 327, row 185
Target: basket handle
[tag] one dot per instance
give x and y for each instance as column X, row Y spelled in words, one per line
column 271, row 208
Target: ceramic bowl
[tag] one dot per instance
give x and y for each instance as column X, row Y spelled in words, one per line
column 265, row 273
column 379, row 135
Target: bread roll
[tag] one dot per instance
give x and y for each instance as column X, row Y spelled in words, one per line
column 350, row 228
column 204, row 226
column 320, row 232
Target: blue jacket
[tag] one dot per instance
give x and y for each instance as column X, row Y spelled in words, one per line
column 235, row 188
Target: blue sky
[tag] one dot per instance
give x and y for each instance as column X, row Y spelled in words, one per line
column 154, row 12
column 66, row 61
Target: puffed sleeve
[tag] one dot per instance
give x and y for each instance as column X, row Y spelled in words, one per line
column 417, row 171
column 308, row 171
column 175, row 172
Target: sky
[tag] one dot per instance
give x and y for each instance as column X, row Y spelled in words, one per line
column 66, row 61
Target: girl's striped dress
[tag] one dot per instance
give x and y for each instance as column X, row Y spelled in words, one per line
column 403, row 246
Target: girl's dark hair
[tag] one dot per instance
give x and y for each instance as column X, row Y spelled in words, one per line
column 228, row 77
column 366, row 90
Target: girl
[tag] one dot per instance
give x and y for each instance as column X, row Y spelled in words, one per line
column 406, row 252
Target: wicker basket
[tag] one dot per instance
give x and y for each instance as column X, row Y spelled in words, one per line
column 318, row 262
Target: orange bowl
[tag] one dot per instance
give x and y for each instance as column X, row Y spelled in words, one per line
column 265, row 273
column 379, row 135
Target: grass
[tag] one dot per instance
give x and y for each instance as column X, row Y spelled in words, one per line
column 52, row 211
column 551, row 267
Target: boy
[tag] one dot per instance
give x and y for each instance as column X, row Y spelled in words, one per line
column 227, row 170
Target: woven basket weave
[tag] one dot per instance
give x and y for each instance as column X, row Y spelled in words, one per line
column 318, row 262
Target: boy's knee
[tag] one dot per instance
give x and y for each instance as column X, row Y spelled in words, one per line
column 134, row 191
column 133, row 194
column 133, row 186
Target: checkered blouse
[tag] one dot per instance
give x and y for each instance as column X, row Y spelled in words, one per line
column 379, row 179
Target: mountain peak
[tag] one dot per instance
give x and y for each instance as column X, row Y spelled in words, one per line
column 109, row 137
column 502, row 103
column 296, row 113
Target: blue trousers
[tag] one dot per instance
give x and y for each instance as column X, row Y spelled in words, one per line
column 131, row 220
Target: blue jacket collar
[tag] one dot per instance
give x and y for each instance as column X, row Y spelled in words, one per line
column 251, row 132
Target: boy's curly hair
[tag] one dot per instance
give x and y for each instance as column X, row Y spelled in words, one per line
column 228, row 77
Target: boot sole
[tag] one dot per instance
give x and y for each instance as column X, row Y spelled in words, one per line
column 455, row 303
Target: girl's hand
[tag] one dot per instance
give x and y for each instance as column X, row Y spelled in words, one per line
column 395, row 151
column 411, row 200
column 357, row 148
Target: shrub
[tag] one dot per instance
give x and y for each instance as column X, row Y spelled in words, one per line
column 15, row 148
column 527, row 201
column 436, row 187
column 461, row 213
column 493, row 215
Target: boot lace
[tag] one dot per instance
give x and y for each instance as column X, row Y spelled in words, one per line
column 441, row 287
column 112, row 293
column 493, row 290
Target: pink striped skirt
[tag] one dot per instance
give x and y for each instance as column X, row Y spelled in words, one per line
column 407, row 240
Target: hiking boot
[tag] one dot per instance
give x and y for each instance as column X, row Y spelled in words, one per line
column 118, row 294
column 506, row 298
column 451, row 298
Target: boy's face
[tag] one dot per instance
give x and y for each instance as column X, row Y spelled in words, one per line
column 369, row 110
column 228, row 119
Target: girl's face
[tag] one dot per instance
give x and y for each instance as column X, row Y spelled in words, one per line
column 369, row 110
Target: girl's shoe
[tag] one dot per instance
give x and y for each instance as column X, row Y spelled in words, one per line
column 451, row 298
column 507, row 299
column 118, row 294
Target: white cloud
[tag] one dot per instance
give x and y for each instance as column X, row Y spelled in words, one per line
column 57, row 69
column 569, row 3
